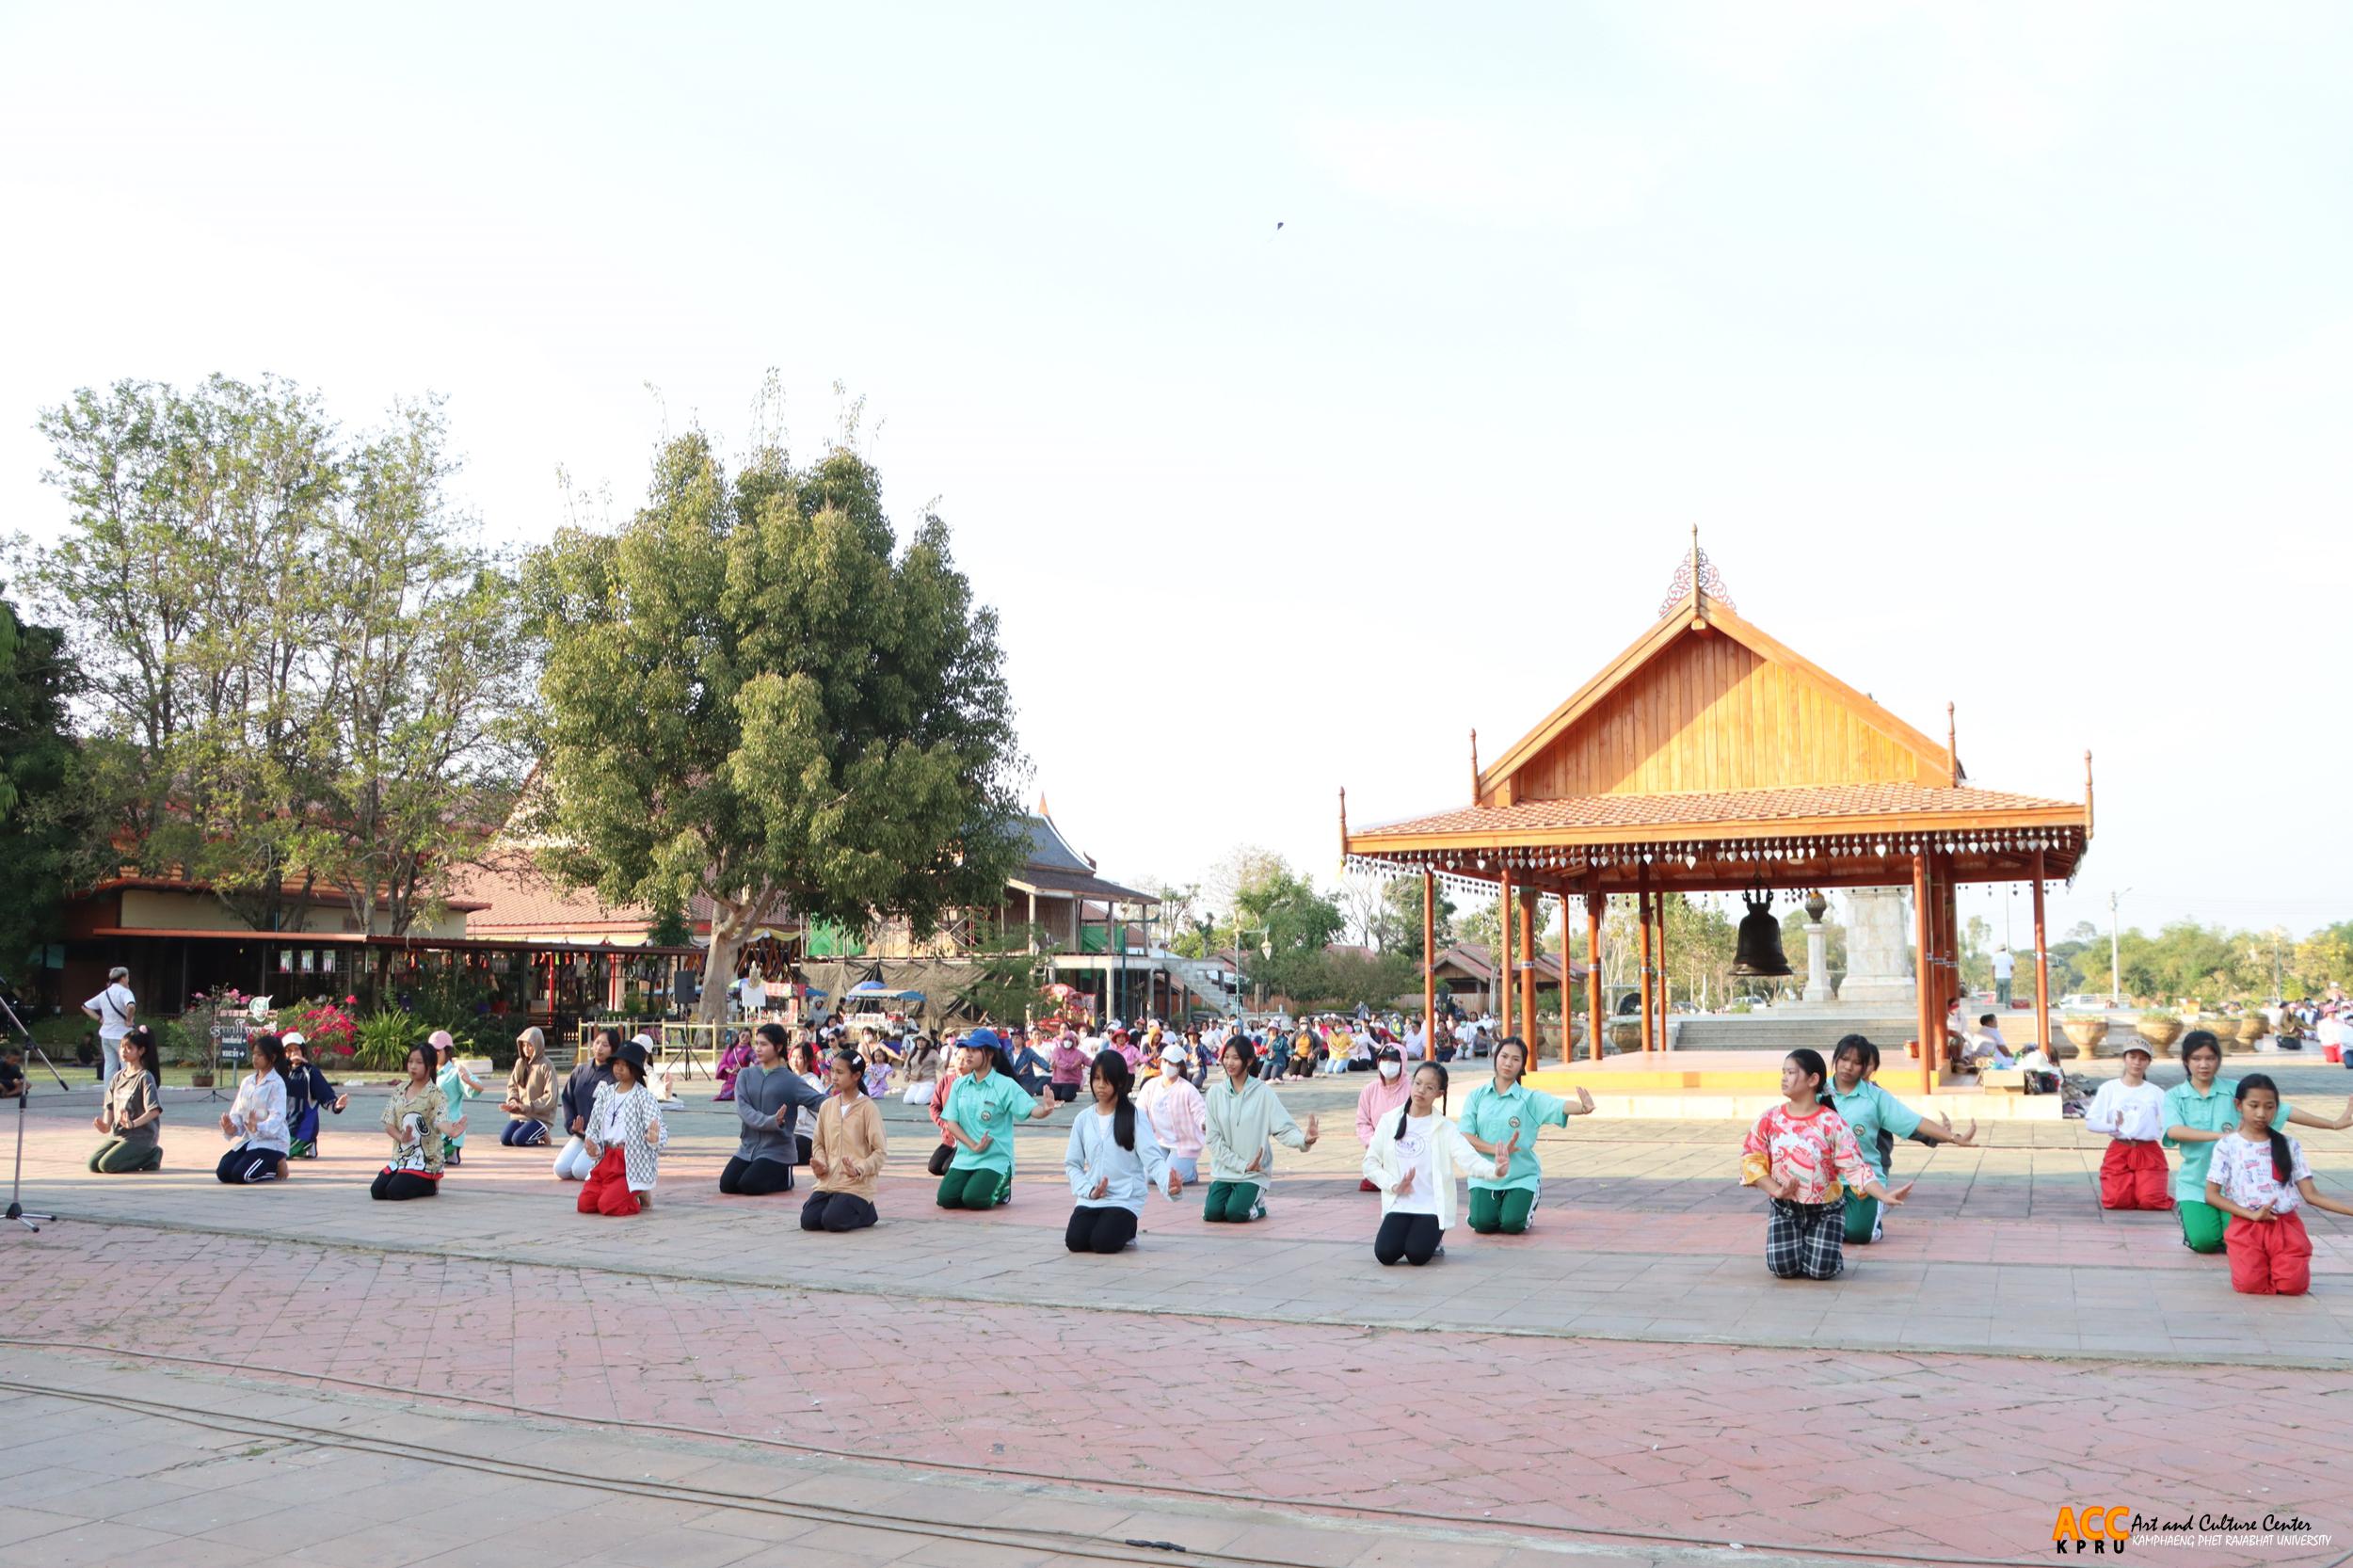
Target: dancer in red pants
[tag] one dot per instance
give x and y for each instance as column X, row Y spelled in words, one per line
column 2131, row 1111
column 2260, row 1178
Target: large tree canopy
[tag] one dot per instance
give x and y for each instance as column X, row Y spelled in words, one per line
column 37, row 816
column 305, row 668
column 754, row 694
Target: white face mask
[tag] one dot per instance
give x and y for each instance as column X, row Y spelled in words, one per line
column 1390, row 1069
column 1170, row 1069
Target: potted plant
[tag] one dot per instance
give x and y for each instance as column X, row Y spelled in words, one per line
column 1624, row 1034
column 2254, row 1026
column 2158, row 1030
column 2085, row 1031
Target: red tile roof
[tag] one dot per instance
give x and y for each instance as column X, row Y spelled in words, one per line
column 1762, row 806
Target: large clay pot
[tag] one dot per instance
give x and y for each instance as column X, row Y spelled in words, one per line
column 1624, row 1034
column 2158, row 1030
column 2227, row 1030
column 2253, row 1027
column 2086, row 1034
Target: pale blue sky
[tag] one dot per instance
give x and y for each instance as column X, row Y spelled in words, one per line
column 2001, row 352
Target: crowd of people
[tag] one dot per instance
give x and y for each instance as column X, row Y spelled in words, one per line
column 1156, row 1110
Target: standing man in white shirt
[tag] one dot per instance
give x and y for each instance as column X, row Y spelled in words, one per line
column 114, row 1008
column 2004, row 966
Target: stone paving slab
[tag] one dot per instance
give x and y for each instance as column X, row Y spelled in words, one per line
column 623, row 1500
column 2003, row 1249
column 1804, row 1447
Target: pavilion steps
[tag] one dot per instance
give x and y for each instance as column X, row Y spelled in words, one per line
column 1785, row 1033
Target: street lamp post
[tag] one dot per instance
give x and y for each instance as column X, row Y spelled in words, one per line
column 2115, row 970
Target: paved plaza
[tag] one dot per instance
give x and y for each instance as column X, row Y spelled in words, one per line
column 198, row 1374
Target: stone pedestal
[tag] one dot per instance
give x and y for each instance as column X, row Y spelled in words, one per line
column 1878, row 942
column 1817, row 962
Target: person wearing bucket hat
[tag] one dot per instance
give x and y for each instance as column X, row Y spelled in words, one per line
column 1179, row 1116
column 626, row 1136
column 2129, row 1109
column 982, row 1111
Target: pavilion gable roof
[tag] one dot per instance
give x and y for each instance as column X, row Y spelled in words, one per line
column 1703, row 701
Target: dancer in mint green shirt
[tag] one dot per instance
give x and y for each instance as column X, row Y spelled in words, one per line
column 1496, row 1114
column 2197, row 1115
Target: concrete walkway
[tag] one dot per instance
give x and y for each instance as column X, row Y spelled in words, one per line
column 1627, row 1368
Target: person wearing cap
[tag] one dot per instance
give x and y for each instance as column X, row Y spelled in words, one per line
column 530, row 1103
column 626, row 1136
column 978, row 1116
column 307, row 1089
column 1113, row 1160
column 457, row 1086
column 1244, row 1120
column 1389, row 1089
column 2129, row 1109
column 578, row 1097
column 1178, row 1114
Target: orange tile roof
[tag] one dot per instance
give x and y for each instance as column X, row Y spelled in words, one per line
column 1742, row 806
column 518, row 898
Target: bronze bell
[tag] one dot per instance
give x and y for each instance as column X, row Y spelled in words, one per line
column 1759, row 950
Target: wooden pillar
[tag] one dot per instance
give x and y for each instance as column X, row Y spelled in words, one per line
column 1596, row 1014
column 1429, row 964
column 1924, row 986
column 1666, row 1008
column 1501, row 978
column 2042, row 965
column 1642, row 900
column 1528, row 1026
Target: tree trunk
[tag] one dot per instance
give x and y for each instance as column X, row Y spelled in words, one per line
column 719, row 970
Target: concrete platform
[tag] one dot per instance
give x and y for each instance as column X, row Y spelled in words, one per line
column 1740, row 1085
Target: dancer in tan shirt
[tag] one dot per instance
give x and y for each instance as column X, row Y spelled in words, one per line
column 845, row 1153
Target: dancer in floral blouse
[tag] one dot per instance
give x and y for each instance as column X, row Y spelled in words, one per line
column 1803, row 1155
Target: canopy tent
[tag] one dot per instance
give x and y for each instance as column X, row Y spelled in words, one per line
column 1708, row 756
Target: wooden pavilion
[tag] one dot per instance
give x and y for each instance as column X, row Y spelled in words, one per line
column 1709, row 757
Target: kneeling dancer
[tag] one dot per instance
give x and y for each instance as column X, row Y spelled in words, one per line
column 1414, row 1160
column 845, row 1152
column 1114, row 1158
column 1803, row 1155
column 981, row 1113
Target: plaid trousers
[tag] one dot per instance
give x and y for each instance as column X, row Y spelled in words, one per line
column 1804, row 1241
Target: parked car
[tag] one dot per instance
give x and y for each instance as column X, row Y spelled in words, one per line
column 2092, row 1001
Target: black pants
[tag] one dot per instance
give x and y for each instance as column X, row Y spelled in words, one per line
column 1103, row 1228
column 400, row 1186
column 800, row 1148
column 245, row 1165
column 1414, row 1237
column 837, row 1212
column 754, row 1179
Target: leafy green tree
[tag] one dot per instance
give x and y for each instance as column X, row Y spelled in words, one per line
column 753, row 693
column 39, row 817
column 193, row 576
column 428, row 674
column 1400, row 924
column 1279, row 912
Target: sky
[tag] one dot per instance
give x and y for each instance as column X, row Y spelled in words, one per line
column 2003, row 355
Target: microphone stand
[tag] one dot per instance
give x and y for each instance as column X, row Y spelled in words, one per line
column 17, row 1211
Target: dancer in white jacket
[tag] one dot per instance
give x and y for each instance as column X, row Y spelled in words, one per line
column 1415, row 1158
